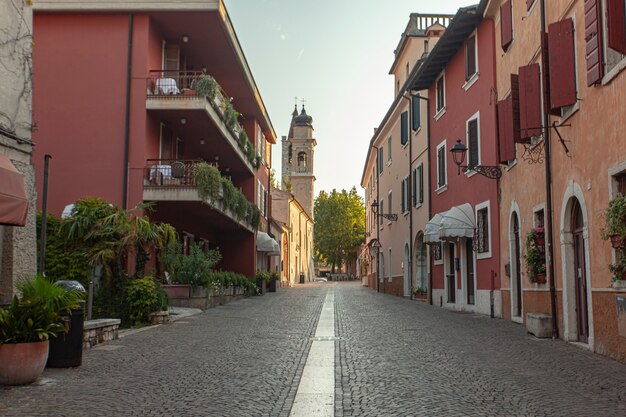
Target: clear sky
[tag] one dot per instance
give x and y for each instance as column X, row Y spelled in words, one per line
column 335, row 54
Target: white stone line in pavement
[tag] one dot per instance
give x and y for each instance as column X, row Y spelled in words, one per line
column 316, row 392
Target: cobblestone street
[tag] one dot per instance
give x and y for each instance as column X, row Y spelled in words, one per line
column 392, row 357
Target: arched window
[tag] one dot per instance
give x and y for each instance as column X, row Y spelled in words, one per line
column 302, row 159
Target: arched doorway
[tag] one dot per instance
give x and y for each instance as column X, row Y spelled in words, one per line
column 580, row 274
column 421, row 280
column 516, row 268
column 407, row 276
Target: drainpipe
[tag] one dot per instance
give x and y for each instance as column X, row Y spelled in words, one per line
column 44, row 216
column 127, row 112
column 377, row 220
column 548, row 167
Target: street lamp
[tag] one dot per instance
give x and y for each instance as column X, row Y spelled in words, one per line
column 458, row 152
column 389, row 216
column 374, row 248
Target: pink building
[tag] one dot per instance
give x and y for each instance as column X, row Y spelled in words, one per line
column 120, row 102
column 463, row 231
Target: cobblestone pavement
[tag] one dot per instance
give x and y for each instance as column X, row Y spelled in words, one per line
column 394, row 357
column 241, row 359
column 405, row 358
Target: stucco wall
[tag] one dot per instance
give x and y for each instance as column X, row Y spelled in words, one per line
column 18, row 245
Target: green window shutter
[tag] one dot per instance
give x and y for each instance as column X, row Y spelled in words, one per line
column 415, row 113
column 421, row 183
column 404, row 127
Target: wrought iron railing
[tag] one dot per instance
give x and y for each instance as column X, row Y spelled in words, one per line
column 170, row 173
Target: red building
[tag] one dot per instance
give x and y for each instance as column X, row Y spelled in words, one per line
column 120, row 102
column 459, row 75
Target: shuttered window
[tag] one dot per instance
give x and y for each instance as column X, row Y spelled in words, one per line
column 506, row 146
column 473, row 145
column 404, row 195
column 415, row 113
column 593, row 40
column 530, row 101
column 420, row 179
column 562, row 64
column 441, row 94
column 470, row 57
column 616, row 24
column 404, row 128
column 482, row 220
column 506, row 25
column 441, row 166
column 380, row 160
column 515, row 115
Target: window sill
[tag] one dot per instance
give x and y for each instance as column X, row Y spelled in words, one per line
column 406, row 213
column 388, row 162
column 572, row 110
column 436, row 262
column 511, row 164
column 441, row 189
column 470, row 173
column 416, row 131
column 404, row 145
column 613, row 72
column 418, row 205
column 440, row 113
column 472, row 80
column 485, row 255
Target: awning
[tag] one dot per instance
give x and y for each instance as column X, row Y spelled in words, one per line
column 431, row 231
column 265, row 243
column 13, row 200
column 457, row 222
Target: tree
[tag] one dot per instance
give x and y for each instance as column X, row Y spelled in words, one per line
column 339, row 225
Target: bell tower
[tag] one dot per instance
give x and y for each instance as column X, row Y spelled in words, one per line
column 297, row 159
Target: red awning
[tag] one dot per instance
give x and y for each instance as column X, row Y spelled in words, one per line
column 13, row 200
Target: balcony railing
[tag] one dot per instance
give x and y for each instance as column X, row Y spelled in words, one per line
column 173, row 84
column 170, row 173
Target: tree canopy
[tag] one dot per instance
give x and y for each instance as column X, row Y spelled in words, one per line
column 339, row 225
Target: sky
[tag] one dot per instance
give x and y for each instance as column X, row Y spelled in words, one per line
column 336, row 55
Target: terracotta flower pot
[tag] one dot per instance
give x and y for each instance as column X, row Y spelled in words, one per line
column 540, row 278
column 616, row 241
column 22, row 363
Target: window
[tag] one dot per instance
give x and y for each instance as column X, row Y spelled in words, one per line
column 381, row 209
column 390, row 203
column 426, row 47
column 302, row 160
column 389, row 150
column 482, row 232
column 418, row 185
column 506, row 25
column 471, row 66
column 381, row 273
column 415, row 113
column 473, row 142
column 405, row 195
column 380, row 160
column 442, row 181
column 407, row 70
column 437, row 255
column 562, row 67
column 404, row 128
column 397, row 87
column 441, row 94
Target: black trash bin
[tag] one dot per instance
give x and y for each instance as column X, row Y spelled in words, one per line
column 301, row 277
column 66, row 350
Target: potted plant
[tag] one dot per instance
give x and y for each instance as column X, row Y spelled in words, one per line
column 535, row 259
column 262, row 278
column 419, row 293
column 615, row 222
column 207, row 86
column 272, row 281
column 26, row 326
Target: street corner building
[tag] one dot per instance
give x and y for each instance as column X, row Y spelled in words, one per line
column 133, row 99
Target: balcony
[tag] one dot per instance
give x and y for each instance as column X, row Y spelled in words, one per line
column 168, row 181
column 187, row 94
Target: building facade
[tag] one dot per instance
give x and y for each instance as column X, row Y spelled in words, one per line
column 394, row 174
column 135, row 112
column 18, row 241
column 297, row 239
column 561, row 63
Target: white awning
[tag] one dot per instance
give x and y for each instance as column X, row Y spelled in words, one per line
column 265, row 243
column 431, row 231
column 457, row 222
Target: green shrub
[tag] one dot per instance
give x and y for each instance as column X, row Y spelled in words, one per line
column 208, row 181
column 191, row 268
column 207, row 86
column 142, row 297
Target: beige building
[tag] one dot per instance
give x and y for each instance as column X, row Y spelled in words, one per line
column 18, row 244
column 296, row 237
column 395, row 172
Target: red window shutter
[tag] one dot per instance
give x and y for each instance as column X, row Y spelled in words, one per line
column 529, row 101
column 562, row 65
column 545, row 74
column 506, row 145
column 506, row 24
column 616, row 19
column 593, row 39
column 515, row 112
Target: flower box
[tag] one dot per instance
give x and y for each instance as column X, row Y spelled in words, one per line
column 177, row 291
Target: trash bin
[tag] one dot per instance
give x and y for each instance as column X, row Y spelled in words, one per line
column 301, row 277
column 66, row 349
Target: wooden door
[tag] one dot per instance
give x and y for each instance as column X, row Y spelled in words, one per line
column 469, row 258
column 580, row 276
column 517, row 273
column 451, row 277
